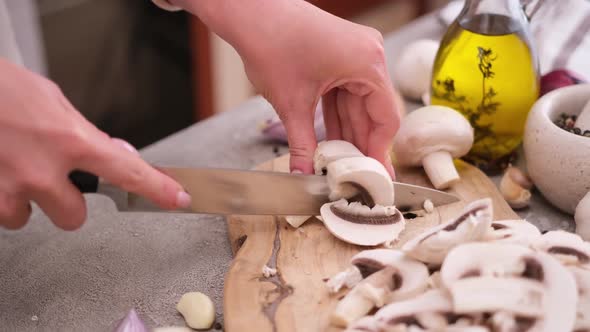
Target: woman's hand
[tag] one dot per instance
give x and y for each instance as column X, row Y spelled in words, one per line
column 43, row 138
column 295, row 54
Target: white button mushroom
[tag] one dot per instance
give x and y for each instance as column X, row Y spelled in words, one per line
column 332, row 150
column 515, row 231
column 413, row 69
column 432, row 136
column 568, row 248
column 582, row 217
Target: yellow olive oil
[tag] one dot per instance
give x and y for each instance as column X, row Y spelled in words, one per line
column 486, row 69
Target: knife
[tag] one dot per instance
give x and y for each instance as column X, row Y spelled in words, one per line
column 247, row 192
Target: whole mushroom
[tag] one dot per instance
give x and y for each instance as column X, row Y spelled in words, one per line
column 413, row 69
column 432, row 136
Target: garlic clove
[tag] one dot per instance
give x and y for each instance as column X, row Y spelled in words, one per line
column 197, row 309
column 515, row 188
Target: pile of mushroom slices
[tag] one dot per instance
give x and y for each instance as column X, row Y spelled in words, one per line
column 469, row 274
column 361, row 210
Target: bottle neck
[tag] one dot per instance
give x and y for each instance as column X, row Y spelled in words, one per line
column 492, row 16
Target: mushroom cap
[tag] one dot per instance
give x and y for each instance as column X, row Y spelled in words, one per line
column 365, row 172
column 430, row 129
column 360, row 233
column 517, row 231
column 569, row 248
column 433, row 245
column 329, row 151
column 413, row 68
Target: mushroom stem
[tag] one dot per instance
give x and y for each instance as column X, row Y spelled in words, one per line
column 440, row 169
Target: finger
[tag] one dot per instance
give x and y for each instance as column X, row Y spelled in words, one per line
column 331, row 119
column 14, row 212
column 385, row 119
column 302, row 139
column 360, row 121
column 344, row 115
column 61, row 202
column 128, row 171
column 125, row 145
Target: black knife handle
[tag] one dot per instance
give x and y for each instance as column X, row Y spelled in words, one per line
column 84, row 181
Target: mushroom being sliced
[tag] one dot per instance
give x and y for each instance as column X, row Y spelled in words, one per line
column 349, row 177
column 515, row 231
column 468, row 264
column 582, row 277
column 405, row 277
column 569, row 248
column 329, row 151
column 471, row 225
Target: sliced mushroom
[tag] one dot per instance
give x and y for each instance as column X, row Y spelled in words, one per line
column 329, row 151
column 471, row 225
column 517, row 231
column 582, row 277
column 569, row 248
column 515, row 186
column 582, row 217
column 432, row 136
column 523, row 297
column 406, row 313
column 358, row 224
column 405, row 277
column 411, row 273
column 369, row 293
column 468, row 264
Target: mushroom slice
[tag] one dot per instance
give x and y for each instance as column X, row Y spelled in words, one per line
column 406, row 313
column 515, row 231
column 582, row 217
column 349, row 177
column 412, row 273
column 471, row 225
column 358, row 224
column 432, row 136
column 582, row 277
column 404, row 278
column 569, row 248
column 367, row 294
column 329, row 151
column 469, row 262
column 523, row 297
column 484, row 259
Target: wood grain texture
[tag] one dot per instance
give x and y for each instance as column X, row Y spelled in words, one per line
column 297, row 299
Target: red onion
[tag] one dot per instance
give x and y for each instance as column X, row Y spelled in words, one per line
column 559, row 78
column 131, row 323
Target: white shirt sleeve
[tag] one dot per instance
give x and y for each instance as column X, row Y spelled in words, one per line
column 8, row 47
column 164, row 4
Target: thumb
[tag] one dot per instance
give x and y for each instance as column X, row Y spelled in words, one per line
column 302, row 139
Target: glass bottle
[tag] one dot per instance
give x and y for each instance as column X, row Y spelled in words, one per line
column 487, row 69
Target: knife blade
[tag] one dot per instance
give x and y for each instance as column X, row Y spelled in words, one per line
column 251, row 192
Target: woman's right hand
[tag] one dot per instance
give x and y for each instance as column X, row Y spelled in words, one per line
column 43, row 138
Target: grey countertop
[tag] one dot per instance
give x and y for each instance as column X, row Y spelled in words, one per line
column 87, row 280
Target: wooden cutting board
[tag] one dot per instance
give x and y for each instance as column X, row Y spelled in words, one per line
column 297, row 299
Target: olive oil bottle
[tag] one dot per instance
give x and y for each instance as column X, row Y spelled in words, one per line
column 487, row 69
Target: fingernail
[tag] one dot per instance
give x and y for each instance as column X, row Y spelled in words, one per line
column 183, row 199
column 296, row 171
column 124, row 144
